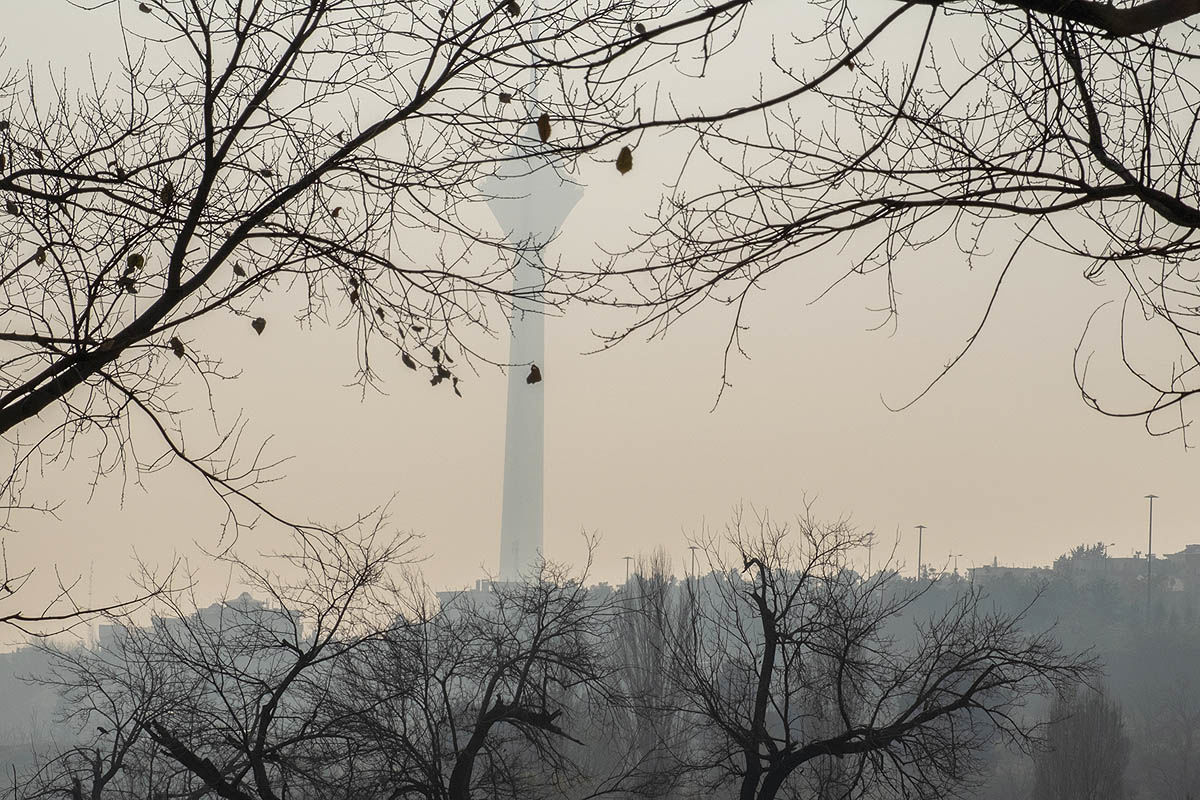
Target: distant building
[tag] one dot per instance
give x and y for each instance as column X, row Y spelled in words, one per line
column 1187, row 559
column 1118, row 569
column 27, row 710
column 219, row 616
column 992, row 573
column 482, row 594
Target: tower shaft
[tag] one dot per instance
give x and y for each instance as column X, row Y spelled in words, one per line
column 530, row 200
column 521, row 535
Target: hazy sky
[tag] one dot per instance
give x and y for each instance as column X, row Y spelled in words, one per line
column 1003, row 459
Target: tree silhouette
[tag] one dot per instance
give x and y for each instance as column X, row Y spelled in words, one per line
column 486, row 694
column 331, row 152
column 1087, row 750
column 795, row 674
column 230, row 700
column 1062, row 131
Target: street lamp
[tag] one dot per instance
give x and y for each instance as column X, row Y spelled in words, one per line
column 920, row 542
column 956, row 557
column 627, row 560
column 1149, row 551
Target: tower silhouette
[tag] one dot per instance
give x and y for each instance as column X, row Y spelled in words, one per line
column 530, row 200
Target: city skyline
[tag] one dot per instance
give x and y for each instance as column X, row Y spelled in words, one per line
column 1002, row 458
column 632, row 398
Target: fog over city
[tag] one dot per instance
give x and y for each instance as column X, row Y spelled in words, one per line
column 598, row 398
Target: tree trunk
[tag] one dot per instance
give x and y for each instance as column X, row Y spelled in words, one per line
column 464, row 765
column 772, row 784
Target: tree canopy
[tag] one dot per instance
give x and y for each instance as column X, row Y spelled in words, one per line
column 995, row 134
column 335, row 152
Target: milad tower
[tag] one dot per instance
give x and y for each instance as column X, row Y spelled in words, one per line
column 530, row 200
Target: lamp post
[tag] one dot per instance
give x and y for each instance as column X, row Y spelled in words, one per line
column 693, row 548
column 870, row 544
column 627, row 560
column 920, row 543
column 956, row 557
column 1149, row 551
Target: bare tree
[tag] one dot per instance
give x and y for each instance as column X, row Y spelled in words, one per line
column 107, row 697
column 1087, row 750
column 332, row 151
column 62, row 608
column 796, row 673
column 488, row 694
column 328, row 153
column 651, row 604
column 1026, row 129
column 260, row 673
column 1163, row 721
column 229, row 700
